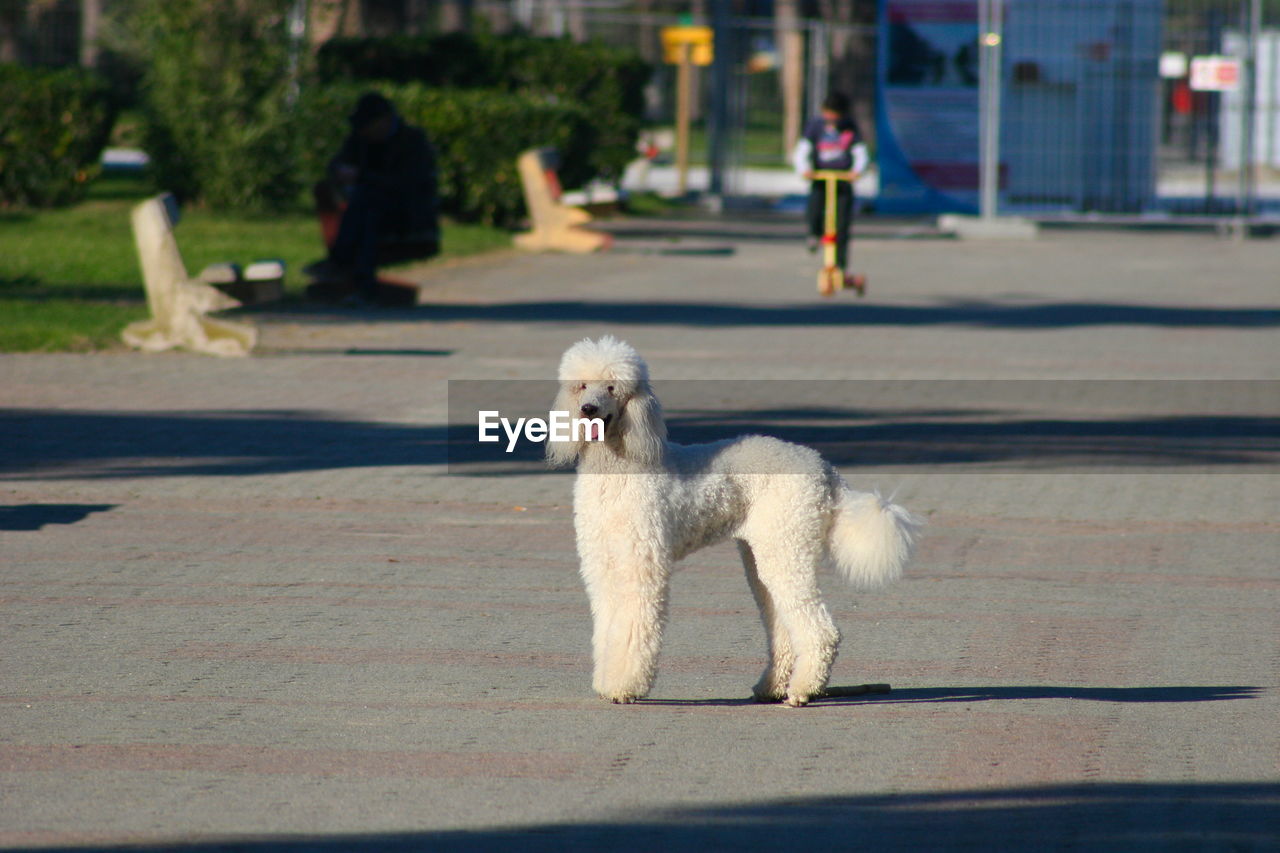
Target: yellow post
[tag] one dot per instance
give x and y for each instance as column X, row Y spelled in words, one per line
column 831, row 278
column 683, row 77
column 685, row 46
column 829, row 218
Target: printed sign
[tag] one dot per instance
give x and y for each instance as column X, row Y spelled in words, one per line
column 927, row 112
column 1215, row 74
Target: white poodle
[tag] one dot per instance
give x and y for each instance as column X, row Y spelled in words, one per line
column 641, row 503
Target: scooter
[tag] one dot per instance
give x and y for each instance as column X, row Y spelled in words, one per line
column 831, row 278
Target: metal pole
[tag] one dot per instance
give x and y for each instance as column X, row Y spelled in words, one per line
column 1269, row 115
column 818, row 64
column 990, row 35
column 984, row 80
column 1213, row 103
column 297, row 22
column 718, row 119
column 1248, row 107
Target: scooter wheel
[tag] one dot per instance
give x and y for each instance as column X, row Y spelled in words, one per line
column 829, row 281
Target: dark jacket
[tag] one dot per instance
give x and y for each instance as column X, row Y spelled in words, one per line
column 832, row 150
column 402, row 169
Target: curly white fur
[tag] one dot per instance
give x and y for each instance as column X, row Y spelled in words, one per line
column 641, row 503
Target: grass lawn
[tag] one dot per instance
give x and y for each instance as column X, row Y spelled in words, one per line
column 69, row 279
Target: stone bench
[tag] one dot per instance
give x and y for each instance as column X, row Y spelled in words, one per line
column 555, row 227
column 178, row 303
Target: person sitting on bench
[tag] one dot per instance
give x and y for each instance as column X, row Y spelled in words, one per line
column 383, row 184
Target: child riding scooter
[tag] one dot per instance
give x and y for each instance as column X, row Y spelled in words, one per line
column 831, row 155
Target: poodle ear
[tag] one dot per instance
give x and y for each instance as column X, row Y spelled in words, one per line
column 563, row 454
column 644, row 432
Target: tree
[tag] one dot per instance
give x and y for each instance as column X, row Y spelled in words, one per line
column 90, row 22
column 852, row 31
column 455, row 16
column 217, row 95
column 790, row 43
column 329, row 18
column 17, row 19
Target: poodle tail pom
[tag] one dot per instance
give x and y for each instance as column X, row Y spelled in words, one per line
column 871, row 539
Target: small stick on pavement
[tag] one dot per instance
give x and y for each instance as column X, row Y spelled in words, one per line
column 854, row 690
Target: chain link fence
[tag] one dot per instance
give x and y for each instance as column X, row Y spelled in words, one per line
column 1219, row 151
column 1106, row 107
column 1100, row 108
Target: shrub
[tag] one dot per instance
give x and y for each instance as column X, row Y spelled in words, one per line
column 607, row 82
column 453, row 61
column 216, row 87
column 477, row 135
column 53, row 126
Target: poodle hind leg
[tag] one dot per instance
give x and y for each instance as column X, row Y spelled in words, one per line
column 813, row 665
column 790, row 578
column 772, row 686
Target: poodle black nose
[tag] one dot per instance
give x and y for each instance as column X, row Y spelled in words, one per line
column 589, row 409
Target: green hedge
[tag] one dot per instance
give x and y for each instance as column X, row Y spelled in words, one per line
column 607, row 82
column 216, row 90
column 455, row 61
column 225, row 124
column 53, row 126
column 477, row 134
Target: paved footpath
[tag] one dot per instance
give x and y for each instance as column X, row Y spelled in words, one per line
column 246, row 605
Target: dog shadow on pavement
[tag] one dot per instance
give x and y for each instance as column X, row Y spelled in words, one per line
column 1141, row 695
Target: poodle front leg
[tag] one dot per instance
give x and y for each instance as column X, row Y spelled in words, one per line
column 629, row 609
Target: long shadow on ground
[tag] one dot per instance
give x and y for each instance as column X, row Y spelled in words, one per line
column 1141, row 695
column 1082, row 816
column 69, row 444
column 36, row 516
column 976, row 314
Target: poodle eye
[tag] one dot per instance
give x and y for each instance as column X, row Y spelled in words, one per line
column 582, row 387
column 610, row 389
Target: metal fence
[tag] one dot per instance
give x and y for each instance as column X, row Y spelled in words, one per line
column 749, row 156
column 1105, row 113
column 1219, row 152
column 1099, row 113
column 1095, row 107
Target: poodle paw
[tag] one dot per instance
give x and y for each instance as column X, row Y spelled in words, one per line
column 767, row 695
column 772, row 686
column 621, row 697
column 793, row 701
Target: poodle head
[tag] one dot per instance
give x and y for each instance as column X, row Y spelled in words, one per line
column 606, row 379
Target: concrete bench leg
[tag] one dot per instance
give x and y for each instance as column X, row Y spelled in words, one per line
column 556, row 227
column 178, row 303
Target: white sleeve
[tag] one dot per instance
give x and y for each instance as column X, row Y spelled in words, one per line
column 802, row 156
column 860, row 158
